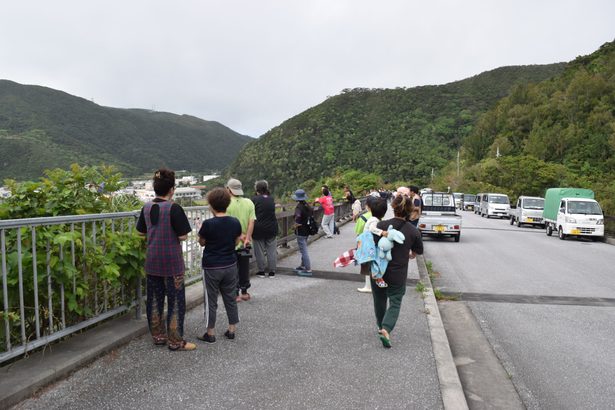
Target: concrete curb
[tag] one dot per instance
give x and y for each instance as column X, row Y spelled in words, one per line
column 450, row 385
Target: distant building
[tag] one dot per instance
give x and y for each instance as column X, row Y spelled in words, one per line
column 187, row 193
column 187, row 180
column 146, row 195
column 208, row 177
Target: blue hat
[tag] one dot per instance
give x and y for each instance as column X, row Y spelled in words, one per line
column 299, row 195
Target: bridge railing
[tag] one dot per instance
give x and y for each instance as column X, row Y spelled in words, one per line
column 57, row 275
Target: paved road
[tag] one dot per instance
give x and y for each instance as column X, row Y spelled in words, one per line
column 560, row 356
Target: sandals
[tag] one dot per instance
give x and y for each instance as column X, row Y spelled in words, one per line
column 183, row 347
column 159, row 340
column 381, row 283
column 384, row 338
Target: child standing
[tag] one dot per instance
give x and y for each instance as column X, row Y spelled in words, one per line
column 219, row 235
column 378, row 208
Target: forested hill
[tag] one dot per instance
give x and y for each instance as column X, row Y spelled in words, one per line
column 399, row 134
column 559, row 132
column 42, row 128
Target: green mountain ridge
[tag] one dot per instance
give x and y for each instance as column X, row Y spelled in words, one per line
column 400, row 134
column 43, row 128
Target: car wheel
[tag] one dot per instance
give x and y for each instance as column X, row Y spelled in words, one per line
column 458, row 237
column 549, row 230
column 560, row 233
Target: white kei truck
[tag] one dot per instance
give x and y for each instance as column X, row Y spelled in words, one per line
column 573, row 212
column 439, row 217
column 528, row 210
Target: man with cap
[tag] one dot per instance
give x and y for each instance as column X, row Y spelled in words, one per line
column 242, row 209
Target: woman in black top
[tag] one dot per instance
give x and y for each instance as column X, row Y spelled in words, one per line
column 302, row 212
column 265, row 230
column 397, row 270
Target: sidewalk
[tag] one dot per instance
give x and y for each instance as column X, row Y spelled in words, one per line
column 302, row 343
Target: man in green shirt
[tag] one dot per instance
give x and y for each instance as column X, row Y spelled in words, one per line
column 242, row 209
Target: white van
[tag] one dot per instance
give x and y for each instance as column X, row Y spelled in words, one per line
column 494, row 205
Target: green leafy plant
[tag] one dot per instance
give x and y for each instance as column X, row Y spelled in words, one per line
column 108, row 259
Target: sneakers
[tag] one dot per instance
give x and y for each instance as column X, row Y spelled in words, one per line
column 245, row 296
column 298, row 268
column 304, row 273
column 271, row 275
column 207, row 338
column 365, row 290
column 260, row 274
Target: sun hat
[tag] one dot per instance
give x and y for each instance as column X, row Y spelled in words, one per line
column 234, row 185
column 299, row 195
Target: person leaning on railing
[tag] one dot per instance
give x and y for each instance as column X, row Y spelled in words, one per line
column 165, row 224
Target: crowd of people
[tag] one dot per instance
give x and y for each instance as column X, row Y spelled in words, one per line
column 240, row 225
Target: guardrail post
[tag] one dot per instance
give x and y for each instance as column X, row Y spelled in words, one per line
column 139, row 300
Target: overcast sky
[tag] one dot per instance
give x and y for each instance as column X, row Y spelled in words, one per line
column 251, row 64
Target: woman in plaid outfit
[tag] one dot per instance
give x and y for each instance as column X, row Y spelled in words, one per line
column 165, row 224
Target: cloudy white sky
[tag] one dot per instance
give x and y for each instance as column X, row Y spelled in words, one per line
column 251, row 64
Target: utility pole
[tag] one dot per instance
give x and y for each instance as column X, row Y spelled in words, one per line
column 457, row 163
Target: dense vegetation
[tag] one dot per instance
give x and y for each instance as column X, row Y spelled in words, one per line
column 560, row 132
column 110, row 268
column 399, row 134
column 42, row 128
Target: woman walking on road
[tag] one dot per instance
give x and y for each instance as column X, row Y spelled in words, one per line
column 265, row 232
column 165, row 224
column 302, row 213
column 396, row 272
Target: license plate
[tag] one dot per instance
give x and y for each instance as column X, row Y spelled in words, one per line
column 530, row 219
column 439, row 228
column 575, row 232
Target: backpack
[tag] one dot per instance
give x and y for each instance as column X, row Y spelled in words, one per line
column 312, row 226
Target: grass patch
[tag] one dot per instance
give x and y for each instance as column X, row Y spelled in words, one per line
column 420, row 287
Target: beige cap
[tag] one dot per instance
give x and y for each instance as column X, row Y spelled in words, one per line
column 234, row 185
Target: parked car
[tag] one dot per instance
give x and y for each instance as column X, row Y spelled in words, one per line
column 494, row 205
column 528, row 210
column 439, row 216
column 469, row 202
column 573, row 212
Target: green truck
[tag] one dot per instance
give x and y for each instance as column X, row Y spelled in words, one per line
column 573, row 212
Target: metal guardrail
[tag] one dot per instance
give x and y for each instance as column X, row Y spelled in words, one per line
column 39, row 295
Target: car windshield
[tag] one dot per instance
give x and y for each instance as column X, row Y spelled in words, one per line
column 584, row 207
column 437, row 200
column 498, row 199
column 469, row 197
column 457, row 196
column 533, row 203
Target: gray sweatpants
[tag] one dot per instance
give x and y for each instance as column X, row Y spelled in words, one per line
column 223, row 281
column 268, row 248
